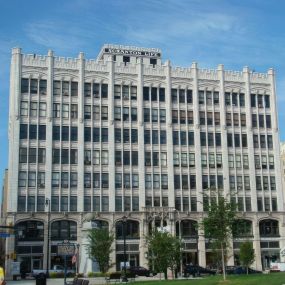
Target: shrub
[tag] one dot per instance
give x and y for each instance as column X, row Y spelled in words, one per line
column 52, row 275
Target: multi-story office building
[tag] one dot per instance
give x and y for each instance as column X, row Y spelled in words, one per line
column 129, row 138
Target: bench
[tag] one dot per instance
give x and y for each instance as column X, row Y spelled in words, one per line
column 113, row 278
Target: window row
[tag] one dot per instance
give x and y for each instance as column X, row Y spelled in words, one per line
column 125, row 92
column 154, row 115
column 211, row 160
column 181, row 96
column 156, row 181
column 182, row 204
column 264, row 162
column 183, row 138
column 261, row 121
column 96, row 157
column 98, row 205
column 184, row 181
column 126, row 158
column 237, row 140
column 65, row 88
column 99, row 113
column 259, row 101
column 64, row 179
column 33, row 132
column 65, row 111
column 100, row 180
column 242, row 204
column 34, row 110
column 156, row 201
column 32, row 155
column 263, row 141
column 238, row 161
column 209, row 118
column 210, row 139
column 155, row 158
column 97, row 90
column 154, row 94
column 126, row 135
column 184, row 160
column 236, row 119
column 64, row 133
column 265, row 183
column 31, row 179
column 97, row 134
column 155, row 137
column 127, row 203
column 239, row 182
column 126, row 181
column 212, row 181
column 64, row 156
column 208, row 97
column 33, row 86
column 263, row 204
column 234, row 99
column 125, row 114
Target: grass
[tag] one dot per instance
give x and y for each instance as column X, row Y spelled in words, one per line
column 253, row 279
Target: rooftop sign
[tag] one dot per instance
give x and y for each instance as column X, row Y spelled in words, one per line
column 132, row 52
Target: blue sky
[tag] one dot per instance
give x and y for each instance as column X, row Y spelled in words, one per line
column 233, row 32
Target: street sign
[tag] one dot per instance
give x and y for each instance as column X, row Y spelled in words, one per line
column 65, row 248
column 5, row 235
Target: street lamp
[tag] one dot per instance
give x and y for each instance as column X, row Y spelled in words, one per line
column 77, row 258
column 47, row 203
column 124, row 221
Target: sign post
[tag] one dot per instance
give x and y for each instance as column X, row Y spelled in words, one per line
column 65, row 248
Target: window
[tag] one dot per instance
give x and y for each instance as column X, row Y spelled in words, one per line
column 87, row 89
column 23, row 155
column 96, row 157
column 133, row 114
column 174, row 95
column 22, row 179
column 191, row 159
column 54, row 203
column 253, row 100
column 189, row 96
column 154, row 136
column 126, row 95
column 126, row 135
column 246, row 183
column 24, row 85
column 42, row 109
column 73, row 156
column 174, row 116
column 260, row 101
column 201, row 97
column 43, row 87
column 104, row 137
column 135, row 181
column 65, row 111
column 65, row 133
column 87, row 112
column 261, row 120
column 56, row 88
column 218, row 139
column 96, row 180
column 65, row 156
column 24, row 108
column 162, row 116
column 126, row 116
column 104, row 113
column 163, row 137
column 65, row 88
column 33, row 109
column 209, row 98
column 33, row 132
column 74, row 111
column 216, row 97
column 202, row 118
column 104, row 91
column 267, row 101
column 209, row 118
column 87, row 180
column 32, row 155
column 269, row 142
column 234, row 99
column 73, row 179
column 96, row 90
column 55, row 179
column 118, row 138
column 162, row 94
column 74, row 88
column 203, row 139
column 146, row 93
column 34, row 86
column 133, row 92
column 105, row 180
column 241, row 100
column 31, row 203
column 217, row 119
column 228, row 119
column 190, row 118
column 56, row 110
column 227, row 99
column 154, row 115
column 64, row 179
column 244, row 140
column 163, row 159
column 268, row 121
column 181, row 96
column 236, row 119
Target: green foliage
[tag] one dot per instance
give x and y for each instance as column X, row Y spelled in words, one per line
column 218, row 225
column 99, row 247
column 246, row 254
column 164, row 251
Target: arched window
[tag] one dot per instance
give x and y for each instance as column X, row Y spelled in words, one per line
column 187, row 228
column 64, row 230
column 30, row 231
column 242, row 228
column 269, row 228
column 99, row 224
column 132, row 229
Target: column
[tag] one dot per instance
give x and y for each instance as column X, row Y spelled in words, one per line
column 14, row 129
column 256, row 244
column 80, row 130
column 246, row 78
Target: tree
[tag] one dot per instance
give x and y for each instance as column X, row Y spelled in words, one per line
column 246, row 254
column 218, row 225
column 99, row 247
column 164, row 251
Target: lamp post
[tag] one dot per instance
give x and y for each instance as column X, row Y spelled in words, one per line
column 124, row 221
column 77, row 258
column 47, row 203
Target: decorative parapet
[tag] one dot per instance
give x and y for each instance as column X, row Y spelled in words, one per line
column 181, row 72
column 155, row 71
column 34, row 60
column 259, row 77
column 93, row 65
column 121, row 67
column 236, row 76
column 66, row 63
column 210, row 74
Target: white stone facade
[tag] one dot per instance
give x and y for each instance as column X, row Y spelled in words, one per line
column 162, row 179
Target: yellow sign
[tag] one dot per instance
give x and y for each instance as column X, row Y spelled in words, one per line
column 2, row 276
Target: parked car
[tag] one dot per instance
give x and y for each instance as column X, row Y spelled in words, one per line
column 196, row 270
column 54, row 269
column 240, row 270
column 139, row 271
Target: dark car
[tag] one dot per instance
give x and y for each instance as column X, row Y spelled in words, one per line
column 139, row 271
column 196, row 270
column 242, row 270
